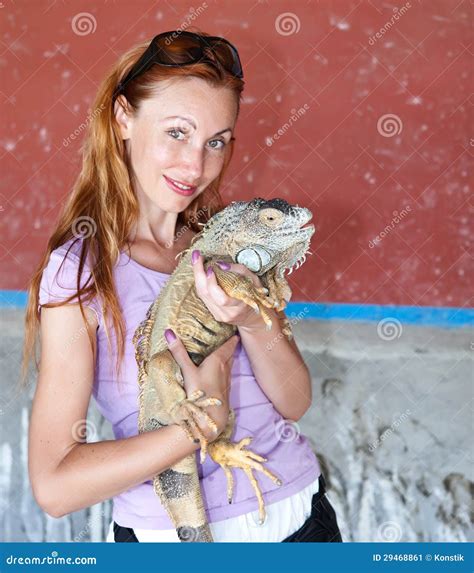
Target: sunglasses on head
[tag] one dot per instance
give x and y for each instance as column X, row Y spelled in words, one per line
column 190, row 48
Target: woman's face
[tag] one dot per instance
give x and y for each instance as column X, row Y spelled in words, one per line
column 180, row 134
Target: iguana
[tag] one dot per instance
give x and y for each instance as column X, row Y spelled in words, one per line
column 267, row 237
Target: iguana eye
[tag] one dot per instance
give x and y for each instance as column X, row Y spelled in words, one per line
column 271, row 217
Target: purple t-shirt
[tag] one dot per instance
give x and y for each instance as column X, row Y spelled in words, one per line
column 289, row 454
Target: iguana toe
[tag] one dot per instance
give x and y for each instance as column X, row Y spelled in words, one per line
column 186, row 412
column 233, row 455
column 286, row 329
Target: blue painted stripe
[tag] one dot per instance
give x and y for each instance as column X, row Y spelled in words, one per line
column 13, row 298
column 423, row 315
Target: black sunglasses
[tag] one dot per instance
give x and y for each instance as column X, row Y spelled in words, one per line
column 191, row 48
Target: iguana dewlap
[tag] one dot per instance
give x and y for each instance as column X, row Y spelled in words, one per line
column 266, row 236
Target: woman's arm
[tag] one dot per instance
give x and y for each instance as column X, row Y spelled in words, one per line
column 93, row 472
column 278, row 367
column 67, row 474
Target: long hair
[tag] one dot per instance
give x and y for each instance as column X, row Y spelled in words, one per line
column 104, row 200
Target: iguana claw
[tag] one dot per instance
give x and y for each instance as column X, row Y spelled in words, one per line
column 286, row 328
column 233, row 455
column 242, row 288
column 184, row 414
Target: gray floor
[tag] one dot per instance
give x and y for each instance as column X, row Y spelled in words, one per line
column 390, row 424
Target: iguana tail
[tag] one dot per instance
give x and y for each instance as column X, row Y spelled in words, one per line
column 159, row 390
column 179, row 491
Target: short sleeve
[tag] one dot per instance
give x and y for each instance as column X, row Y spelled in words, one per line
column 59, row 280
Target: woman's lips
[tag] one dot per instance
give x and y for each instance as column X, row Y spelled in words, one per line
column 185, row 192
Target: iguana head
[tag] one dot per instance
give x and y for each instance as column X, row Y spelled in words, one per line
column 259, row 234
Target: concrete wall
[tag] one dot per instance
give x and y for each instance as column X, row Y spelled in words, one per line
column 390, row 424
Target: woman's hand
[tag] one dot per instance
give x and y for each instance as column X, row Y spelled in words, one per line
column 212, row 376
column 225, row 308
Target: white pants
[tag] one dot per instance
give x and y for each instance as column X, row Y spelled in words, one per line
column 284, row 517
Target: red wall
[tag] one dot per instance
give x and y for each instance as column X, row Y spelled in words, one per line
column 334, row 159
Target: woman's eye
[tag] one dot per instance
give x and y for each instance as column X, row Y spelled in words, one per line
column 217, row 146
column 175, row 134
column 174, row 131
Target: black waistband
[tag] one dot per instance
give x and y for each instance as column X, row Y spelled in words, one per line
column 124, row 533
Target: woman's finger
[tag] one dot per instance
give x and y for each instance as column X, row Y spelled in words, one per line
column 218, row 296
column 179, row 352
column 200, row 278
column 206, row 283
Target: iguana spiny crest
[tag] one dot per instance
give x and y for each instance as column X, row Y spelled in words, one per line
column 260, row 234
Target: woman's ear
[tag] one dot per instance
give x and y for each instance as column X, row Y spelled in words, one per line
column 123, row 116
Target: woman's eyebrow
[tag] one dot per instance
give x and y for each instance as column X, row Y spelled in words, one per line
column 189, row 120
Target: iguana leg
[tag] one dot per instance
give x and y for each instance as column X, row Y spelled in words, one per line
column 230, row 455
column 278, row 289
column 242, row 288
column 186, row 411
column 163, row 400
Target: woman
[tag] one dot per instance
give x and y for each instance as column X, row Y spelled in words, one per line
column 159, row 144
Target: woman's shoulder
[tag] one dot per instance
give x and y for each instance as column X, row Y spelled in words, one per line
column 59, row 278
column 63, row 263
column 71, row 248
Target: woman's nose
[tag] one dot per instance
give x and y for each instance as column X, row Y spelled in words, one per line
column 193, row 162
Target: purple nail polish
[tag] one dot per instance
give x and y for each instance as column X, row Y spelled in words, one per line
column 195, row 256
column 209, row 272
column 170, row 336
column 223, row 265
